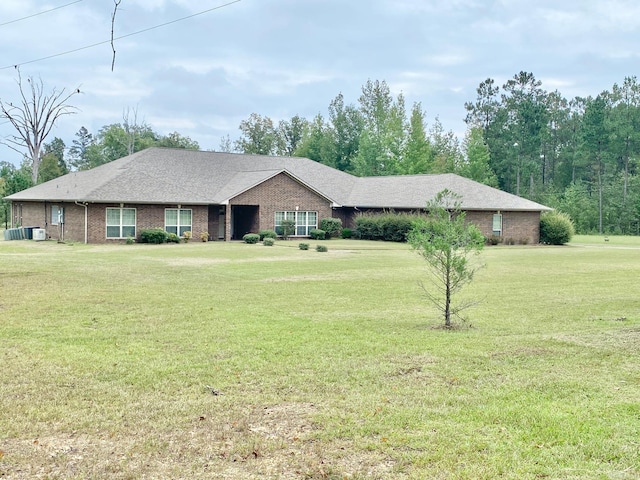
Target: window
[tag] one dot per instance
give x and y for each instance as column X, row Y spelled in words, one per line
column 121, row 222
column 305, row 222
column 497, row 224
column 177, row 220
column 57, row 214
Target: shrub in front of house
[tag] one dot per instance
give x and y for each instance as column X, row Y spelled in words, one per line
column 317, row 234
column 153, row 235
column 556, row 228
column 346, row 233
column 204, row 236
column 286, row 229
column 173, row 238
column 332, row 227
column 493, row 240
column 303, row 246
column 268, row 242
column 251, row 238
column 390, row 227
column 267, row 234
column 321, row 248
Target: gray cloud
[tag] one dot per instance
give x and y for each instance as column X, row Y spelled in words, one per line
column 202, row 76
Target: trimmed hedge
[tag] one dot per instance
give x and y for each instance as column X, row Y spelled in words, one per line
column 268, row 242
column 346, row 233
column 332, row 226
column 556, row 228
column 153, row 235
column 267, row 234
column 390, row 227
column 317, row 234
column 251, row 238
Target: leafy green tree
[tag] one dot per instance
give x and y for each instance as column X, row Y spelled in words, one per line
column 417, row 156
column 12, row 180
column 595, row 139
column 476, row 159
column 116, row 141
column 290, row 134
column 78, row 156
column 258, row 136
column 49, row 168
column 484, row 111
column 556, row 141
column 582, row 207
column 16, row 179
column 445, row 149
column 447, row 243
column 383, row 137
column 625, row 125
column 489, row 113
column 52, row 164
column 175, row 140
column 525, row 100
column 317, row 142
column 346, row 125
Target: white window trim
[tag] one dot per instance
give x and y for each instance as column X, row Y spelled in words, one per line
column 497, row 222
column 294, row 213
column 179, row 225
column 120, row 209
column 55, row 219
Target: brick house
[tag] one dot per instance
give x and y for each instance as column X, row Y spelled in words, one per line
column 228, row 195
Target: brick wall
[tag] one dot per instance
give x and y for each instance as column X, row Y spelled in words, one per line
column 277, row 194
column 147, row 216
column 517, row 227
column 282, row 193
column 38, row 214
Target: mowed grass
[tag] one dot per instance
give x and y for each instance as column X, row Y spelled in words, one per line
column 226, row 360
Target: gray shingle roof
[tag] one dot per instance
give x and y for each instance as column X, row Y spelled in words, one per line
column 176, row 176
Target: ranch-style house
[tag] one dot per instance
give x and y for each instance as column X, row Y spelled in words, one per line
column 228, row 195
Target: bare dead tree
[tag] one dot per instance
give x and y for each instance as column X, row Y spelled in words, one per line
column 132, row 129
column 34, row 117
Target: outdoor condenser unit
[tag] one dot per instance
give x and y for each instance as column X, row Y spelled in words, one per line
column 39, row 234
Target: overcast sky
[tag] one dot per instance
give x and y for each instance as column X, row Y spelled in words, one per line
column 202, row 75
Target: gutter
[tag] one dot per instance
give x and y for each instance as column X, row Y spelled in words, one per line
column 86, row 224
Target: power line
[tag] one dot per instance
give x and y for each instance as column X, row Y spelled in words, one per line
column 16, row 65
column 39, row 13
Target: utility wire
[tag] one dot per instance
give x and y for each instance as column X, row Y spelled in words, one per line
column 16, row 65
column 39, row 13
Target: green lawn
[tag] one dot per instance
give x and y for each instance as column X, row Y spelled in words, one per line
column 324, row 365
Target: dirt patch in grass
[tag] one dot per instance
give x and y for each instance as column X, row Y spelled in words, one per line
column 270, row 442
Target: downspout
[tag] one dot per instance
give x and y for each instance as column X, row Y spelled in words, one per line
column 86, row 225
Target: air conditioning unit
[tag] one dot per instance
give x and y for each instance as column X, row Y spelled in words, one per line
column 39, row 234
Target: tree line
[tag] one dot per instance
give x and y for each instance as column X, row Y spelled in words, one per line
column 577, row 155
column 377, row 136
